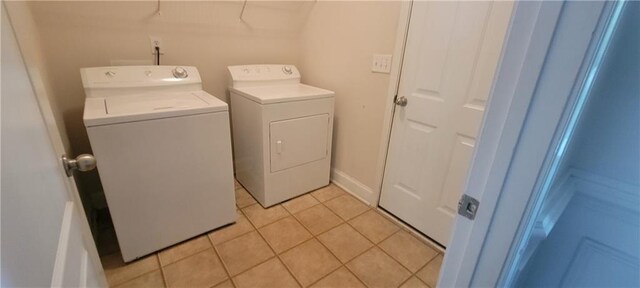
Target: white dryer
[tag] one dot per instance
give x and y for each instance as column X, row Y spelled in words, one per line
column 282, row 132
column 163, row 150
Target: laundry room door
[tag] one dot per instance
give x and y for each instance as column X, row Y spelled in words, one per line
column 46, row 241
column 451, row 54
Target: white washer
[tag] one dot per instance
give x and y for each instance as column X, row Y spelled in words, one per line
column 282, row 132
column 164, row 154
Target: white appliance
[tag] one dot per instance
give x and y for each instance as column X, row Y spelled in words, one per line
column 282, row 132
column 163, row 149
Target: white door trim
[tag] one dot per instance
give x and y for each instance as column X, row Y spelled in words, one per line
column 394, row 82
column 517, row 74
column 518, row 119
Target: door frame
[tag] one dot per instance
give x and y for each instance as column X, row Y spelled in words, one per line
column 522, row 131
column 390, row 106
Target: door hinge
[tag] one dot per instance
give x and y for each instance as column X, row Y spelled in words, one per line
column 468, row 206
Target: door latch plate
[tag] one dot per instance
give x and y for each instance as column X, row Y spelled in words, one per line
column 468, row 206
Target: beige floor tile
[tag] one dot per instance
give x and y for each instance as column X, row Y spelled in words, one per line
column 260, row 216
column 200, row 270
column 373, row 225
column 346, row 206
column 414, row 282
column 236, row 184
column 345, row 242
column 300, row 203
column 339, row 278
column 409, row 251
column 377, row 269
column 318, row 219
column 269, row 274
column 151, row 280
column 242, row 226
column 327, row 193
column 243, row 198
column 244, row 252
column 118, row 272
column 309, row 262
column 429, row 274
column 225, row 284
column 284, row 234
column 183, row 250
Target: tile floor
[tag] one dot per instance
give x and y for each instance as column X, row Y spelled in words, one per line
column 325, row 238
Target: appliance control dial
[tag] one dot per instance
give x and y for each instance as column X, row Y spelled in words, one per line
column 287, row 70
column 180, row 72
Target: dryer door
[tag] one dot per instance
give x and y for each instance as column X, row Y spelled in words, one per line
column 298, row 141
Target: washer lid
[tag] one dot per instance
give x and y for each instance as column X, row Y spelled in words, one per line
column 283, row 93
column 138, row 107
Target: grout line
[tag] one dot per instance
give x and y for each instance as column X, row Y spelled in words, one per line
column 376, row 244
column 320, row 242
column 164, row 277
column 140, row 276
column 274, row 252
column 411, row 230
column 206, row 235
column 260, row 235
column 268, row 245
column 269, row 223
column 356, row 256
column 215, row 250
column 353, row 272
column 405, row 281
column 401, row 226
column 227, row 226
column 293, row 213
column 308, row 240
column 394, row 258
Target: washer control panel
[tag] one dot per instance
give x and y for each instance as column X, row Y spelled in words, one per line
column 113, row 77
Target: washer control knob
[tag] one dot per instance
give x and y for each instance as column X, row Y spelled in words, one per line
column 287, row 70
column 180, row 72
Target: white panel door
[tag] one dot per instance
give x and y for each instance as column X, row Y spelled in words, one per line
column 45, row 237
column 451, row 54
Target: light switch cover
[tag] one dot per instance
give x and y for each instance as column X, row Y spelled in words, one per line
column 381, row 63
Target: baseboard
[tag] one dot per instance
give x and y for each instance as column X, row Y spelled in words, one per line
column 354, row 187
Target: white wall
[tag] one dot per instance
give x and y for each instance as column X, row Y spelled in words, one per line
column 337, row 44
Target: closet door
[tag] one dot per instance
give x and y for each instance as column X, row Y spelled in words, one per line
column 451, row 54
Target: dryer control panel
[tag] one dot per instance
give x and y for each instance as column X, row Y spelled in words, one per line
column 260, row 75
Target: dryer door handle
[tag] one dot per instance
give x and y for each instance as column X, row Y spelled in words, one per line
column 279, row 146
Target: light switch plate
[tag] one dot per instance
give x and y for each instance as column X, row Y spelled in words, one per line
column 381, row 63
